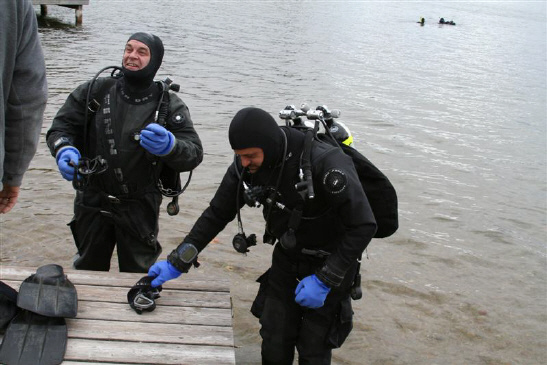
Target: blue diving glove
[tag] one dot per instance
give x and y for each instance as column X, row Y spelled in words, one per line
column 162, row 271
column 157, row 140
column 67, row 159
column 311, row 292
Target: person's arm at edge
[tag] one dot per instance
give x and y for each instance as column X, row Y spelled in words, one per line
column 26, row 102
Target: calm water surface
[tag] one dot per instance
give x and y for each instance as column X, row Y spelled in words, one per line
column 455, row 116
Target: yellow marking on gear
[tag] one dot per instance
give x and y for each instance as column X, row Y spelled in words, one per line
column 348, row 141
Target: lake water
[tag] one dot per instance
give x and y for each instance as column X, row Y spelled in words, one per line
column 456, row 116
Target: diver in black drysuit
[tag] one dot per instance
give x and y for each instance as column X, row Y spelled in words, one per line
column 120, row 207
column 338, row 221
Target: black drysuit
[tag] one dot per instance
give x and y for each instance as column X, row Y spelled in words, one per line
column 338, row 220
column 121, row 206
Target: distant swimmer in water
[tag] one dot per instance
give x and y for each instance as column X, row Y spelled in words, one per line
column 450, row 22
column 422, row 21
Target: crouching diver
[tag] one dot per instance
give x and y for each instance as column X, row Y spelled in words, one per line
column 304, row 298
column 113, row 137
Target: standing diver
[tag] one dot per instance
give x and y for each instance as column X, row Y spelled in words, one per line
column 115, row 156
column 304, row 297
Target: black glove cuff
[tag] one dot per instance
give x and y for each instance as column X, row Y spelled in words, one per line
column 328, row 276
column 183, row 257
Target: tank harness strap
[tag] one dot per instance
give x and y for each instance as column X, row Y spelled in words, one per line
column 94, row 104
column 356, row 291
column 110, row 147
column 92, row 101
column 163, row 107
column 305, row 186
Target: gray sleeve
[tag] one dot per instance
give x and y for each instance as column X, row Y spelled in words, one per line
column 26, row 96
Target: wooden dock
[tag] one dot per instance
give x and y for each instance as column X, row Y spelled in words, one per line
column 192, row 323
column 77, row 5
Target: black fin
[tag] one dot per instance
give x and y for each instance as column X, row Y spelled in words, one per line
column 49, row 293
column 34, row 339
column 8, row 304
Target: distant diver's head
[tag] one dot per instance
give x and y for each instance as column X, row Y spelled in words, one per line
column 142, row 58
column 256, row 138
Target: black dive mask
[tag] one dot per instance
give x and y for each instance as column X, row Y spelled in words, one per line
column 142, row 296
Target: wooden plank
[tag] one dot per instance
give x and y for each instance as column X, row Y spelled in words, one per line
column 190, row 281
column 179, row 315
column 147, row 332
column 169, row 297
column 86, row 363
column 179, row 298
column 147, row 353
column 60, row 2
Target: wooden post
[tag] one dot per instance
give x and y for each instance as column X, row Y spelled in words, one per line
column 77, row 5
column 79, row 15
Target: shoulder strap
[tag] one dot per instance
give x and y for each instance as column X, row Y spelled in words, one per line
column 92, row 104
column 162, row 112
column 305, row 186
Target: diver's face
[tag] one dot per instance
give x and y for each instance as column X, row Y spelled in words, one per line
column 251, row 158
column 136, row 55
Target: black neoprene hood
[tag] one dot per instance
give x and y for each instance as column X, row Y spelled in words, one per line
column 254, row 127
column 143, row 78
